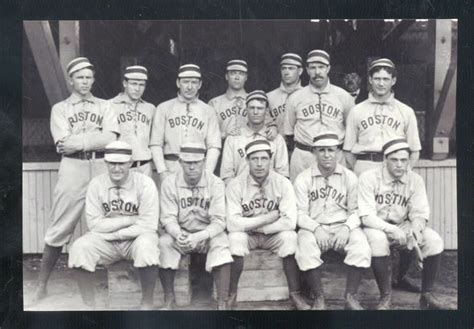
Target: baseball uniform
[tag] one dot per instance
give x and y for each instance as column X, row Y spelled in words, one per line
column 230, row 110
column 194, row 208
column 107, row 204
column 135, row 121
column 330, row 203
column 177, row 121
column 246, row 199
column 276, row 103
column 234, row 160
column 80, row 119
column 309, row 112
column 372, row 123
column 385, row 200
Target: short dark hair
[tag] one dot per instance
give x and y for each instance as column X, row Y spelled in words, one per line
column 390, row 70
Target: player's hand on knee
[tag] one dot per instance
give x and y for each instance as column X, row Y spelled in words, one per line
column 341, row 238
column 323, row 239
column 398, row 235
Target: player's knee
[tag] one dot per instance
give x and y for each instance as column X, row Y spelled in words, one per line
column 220, row 240
column 378, row 242
column 305, row 239
column 146, row 242
column 433, row 243
column 238, row 242
column 82, row 245
column 165, row 242
column 288, row 242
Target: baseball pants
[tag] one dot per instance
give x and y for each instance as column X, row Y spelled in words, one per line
column 216, row 248
column 69, row 197
column 282, row 243
column 145, row 169
column 431, row 244
column 308, row 254
column 91, row 249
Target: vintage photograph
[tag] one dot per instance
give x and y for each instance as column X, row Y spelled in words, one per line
column 239, row 165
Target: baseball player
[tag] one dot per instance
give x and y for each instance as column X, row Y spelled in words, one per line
column 135, row 117
column 193, row 219
column 379, row 119
column 122, row 210
column 81, row 125
column 291, row 68
column 184, row 119
column 326, row 196
column 394, row 210
column 261, row 213
column 233, row 158
column 316, row 108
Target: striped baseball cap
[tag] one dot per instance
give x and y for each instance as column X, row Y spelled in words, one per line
column 237, row 65
column 77, row 64
column 318, row 55
column 256, row 94
column 257, row 145
column 326, row 139
column 118, row 151
column 136, row 72
column 395, row 145
column 189, row 71
column 190, row 152
column 381, row 62
column 291, row 59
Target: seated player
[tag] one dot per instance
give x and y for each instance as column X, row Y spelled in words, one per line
column 394, row 209
column 326, row 196
column 122, row 217
column 193, row 218
column 233, row 158
column 261, row 213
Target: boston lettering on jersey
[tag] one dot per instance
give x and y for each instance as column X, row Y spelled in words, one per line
column 329, row 110
column 85, row 116
column 325, row 193
column 184, row 120
column 128, row 116
column 276, row 111
column 379, row 119
column 227, row 113
column 194, row 202
column 120, row 205
column 260, row 203
column 392, row 198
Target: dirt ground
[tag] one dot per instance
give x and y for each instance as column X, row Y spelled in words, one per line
column 64, row 294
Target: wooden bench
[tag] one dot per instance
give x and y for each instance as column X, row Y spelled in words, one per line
column 125, row 288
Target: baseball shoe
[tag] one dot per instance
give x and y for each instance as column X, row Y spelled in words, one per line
column 298, row 301
column 352, row 303
column 40, row 293
column 319, row 304
column 428, row 301
column 385, row 303
column 406, row 284
column 170, row 303
column 232, row 301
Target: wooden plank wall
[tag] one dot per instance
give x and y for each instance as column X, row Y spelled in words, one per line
column 39, row 180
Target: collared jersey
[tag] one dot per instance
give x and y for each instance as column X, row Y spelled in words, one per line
column 231, row 111
column 135, row 121
column 371, row 124
column 246, row 198
column 194, row 208
column 234, row 160
column 177, row 122
column 326, row 200
column 74, row 116
column 308, row 112
column 276, row 103
column 390, row 199
column 138, row 196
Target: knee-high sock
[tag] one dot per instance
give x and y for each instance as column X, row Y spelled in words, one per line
column 383, row 271
column 147, row 280
column 50, row 257
column 292, row 273
column 86, row 285
column 313, row 277
column 221, row 276
column 429, row 273
column 354, row 275
column 235, row 271
column 167, row 280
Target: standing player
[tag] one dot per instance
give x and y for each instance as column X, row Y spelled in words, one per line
column 81, row 125
column 193, row 217
column 184, row 119
column 291, row 68
column 261, row 213
column 326, row 195
column 379, row 119
column 122, row 210
column 135, row 116
column 233, row 158
column 394, row 209
column 316, row 108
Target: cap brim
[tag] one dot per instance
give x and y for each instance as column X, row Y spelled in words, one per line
column 117, row 157
column 236, row 67
column 290, row 62
column 397, row 147
column 80, row 66
column 189, row 157
column 326, row 143
column 189, row 74
column 317, row 59
column 136, row 76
